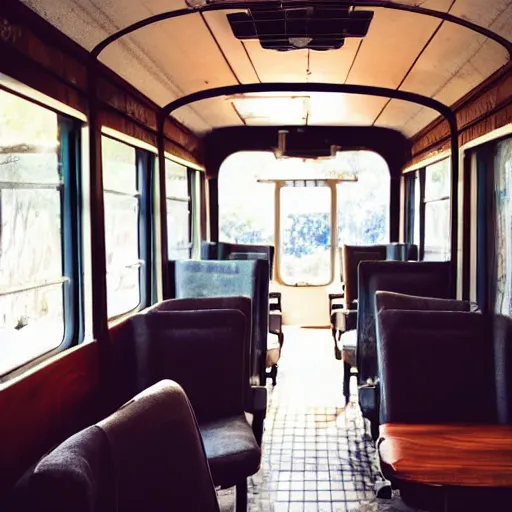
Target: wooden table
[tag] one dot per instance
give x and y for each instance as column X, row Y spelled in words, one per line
column 449, row 455
column 449, row 459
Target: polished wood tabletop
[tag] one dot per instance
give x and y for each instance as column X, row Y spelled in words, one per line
column 449, row 455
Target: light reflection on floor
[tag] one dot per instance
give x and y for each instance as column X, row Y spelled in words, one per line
column 317, row 455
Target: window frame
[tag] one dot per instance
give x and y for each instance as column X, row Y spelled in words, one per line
column 144, row 167
column 333, row 224
column 190, row 200
column 71, row 229
column 412, row 203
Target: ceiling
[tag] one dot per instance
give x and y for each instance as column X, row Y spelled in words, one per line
column 403, row 50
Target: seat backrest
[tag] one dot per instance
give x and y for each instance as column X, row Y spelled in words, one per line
column 427, row 279
column 147, row 456
column 503, row 367
column 203, row 351
column 230, row 278
column 401, row 252
column 352, row 256
column 230, row 251
column 436, row 367
column 393, row 300
column 242, row 304
column 159, row 453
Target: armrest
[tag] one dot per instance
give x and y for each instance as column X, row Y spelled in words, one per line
column 257, row 406
column 257, row 399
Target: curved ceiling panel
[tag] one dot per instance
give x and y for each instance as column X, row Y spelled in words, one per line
column 402, row 50
column 94, row 20
column 306, row 108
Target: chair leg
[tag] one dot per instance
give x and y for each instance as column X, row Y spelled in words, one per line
column 241, row 496
column 273, row 373
column 346, row 381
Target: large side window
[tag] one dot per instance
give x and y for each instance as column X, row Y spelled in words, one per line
column 503, row 226
column 39, row 232
column 437, row 211
column 123, row 185
column 178, row 190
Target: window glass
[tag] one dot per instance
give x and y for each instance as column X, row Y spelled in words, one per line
column 305, row 256
column 363, row 206
column 437, row 180
column 503, row 244
column 179, row 236
column 437, row 211
column 437, row 231
column 121, row 227
column 246, row 205
column 31, row 256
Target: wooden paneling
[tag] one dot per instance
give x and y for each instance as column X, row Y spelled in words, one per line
column 40, row 56
column 485, row 109
column 44, row 407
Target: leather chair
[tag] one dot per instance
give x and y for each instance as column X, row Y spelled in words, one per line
column 428, row 279
column 193, row 279
column 205, row 352
column 146, row 457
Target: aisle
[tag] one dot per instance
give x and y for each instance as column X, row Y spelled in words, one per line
column 316, row 453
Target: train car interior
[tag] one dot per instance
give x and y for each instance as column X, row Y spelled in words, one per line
column 256, row 255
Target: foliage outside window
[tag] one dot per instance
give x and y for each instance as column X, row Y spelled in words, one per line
column 247, row 210
column 246, row 206
column 32, row 278
column 363, row 207
column 503, row 247
column 122, row 207
column 437, row 211
column 179, row 233
column 305, row 256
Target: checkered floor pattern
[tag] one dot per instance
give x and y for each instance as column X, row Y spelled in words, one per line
column 317, row 454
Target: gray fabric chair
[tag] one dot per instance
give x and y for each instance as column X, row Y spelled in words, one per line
column 205, row 352
column 256, row 403
column 192, row 279
column 436, row 367
column 427, row 279
column 146, row 457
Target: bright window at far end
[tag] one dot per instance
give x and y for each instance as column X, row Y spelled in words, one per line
column 305, row 253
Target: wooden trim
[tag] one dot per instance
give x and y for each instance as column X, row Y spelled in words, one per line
column 486, row 108
column 37, row 54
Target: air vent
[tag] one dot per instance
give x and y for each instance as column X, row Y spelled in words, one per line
column 299, row 144
column 283, row 28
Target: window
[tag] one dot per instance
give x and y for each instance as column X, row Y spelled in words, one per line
column 246, row 205
column 437, row 211
column 305, row 253
column 503, row 226
column 124, row 238
column 39, row 225
column 179, row 220
column 363, row 206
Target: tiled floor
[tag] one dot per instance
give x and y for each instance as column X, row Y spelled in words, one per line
column 317, row 455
